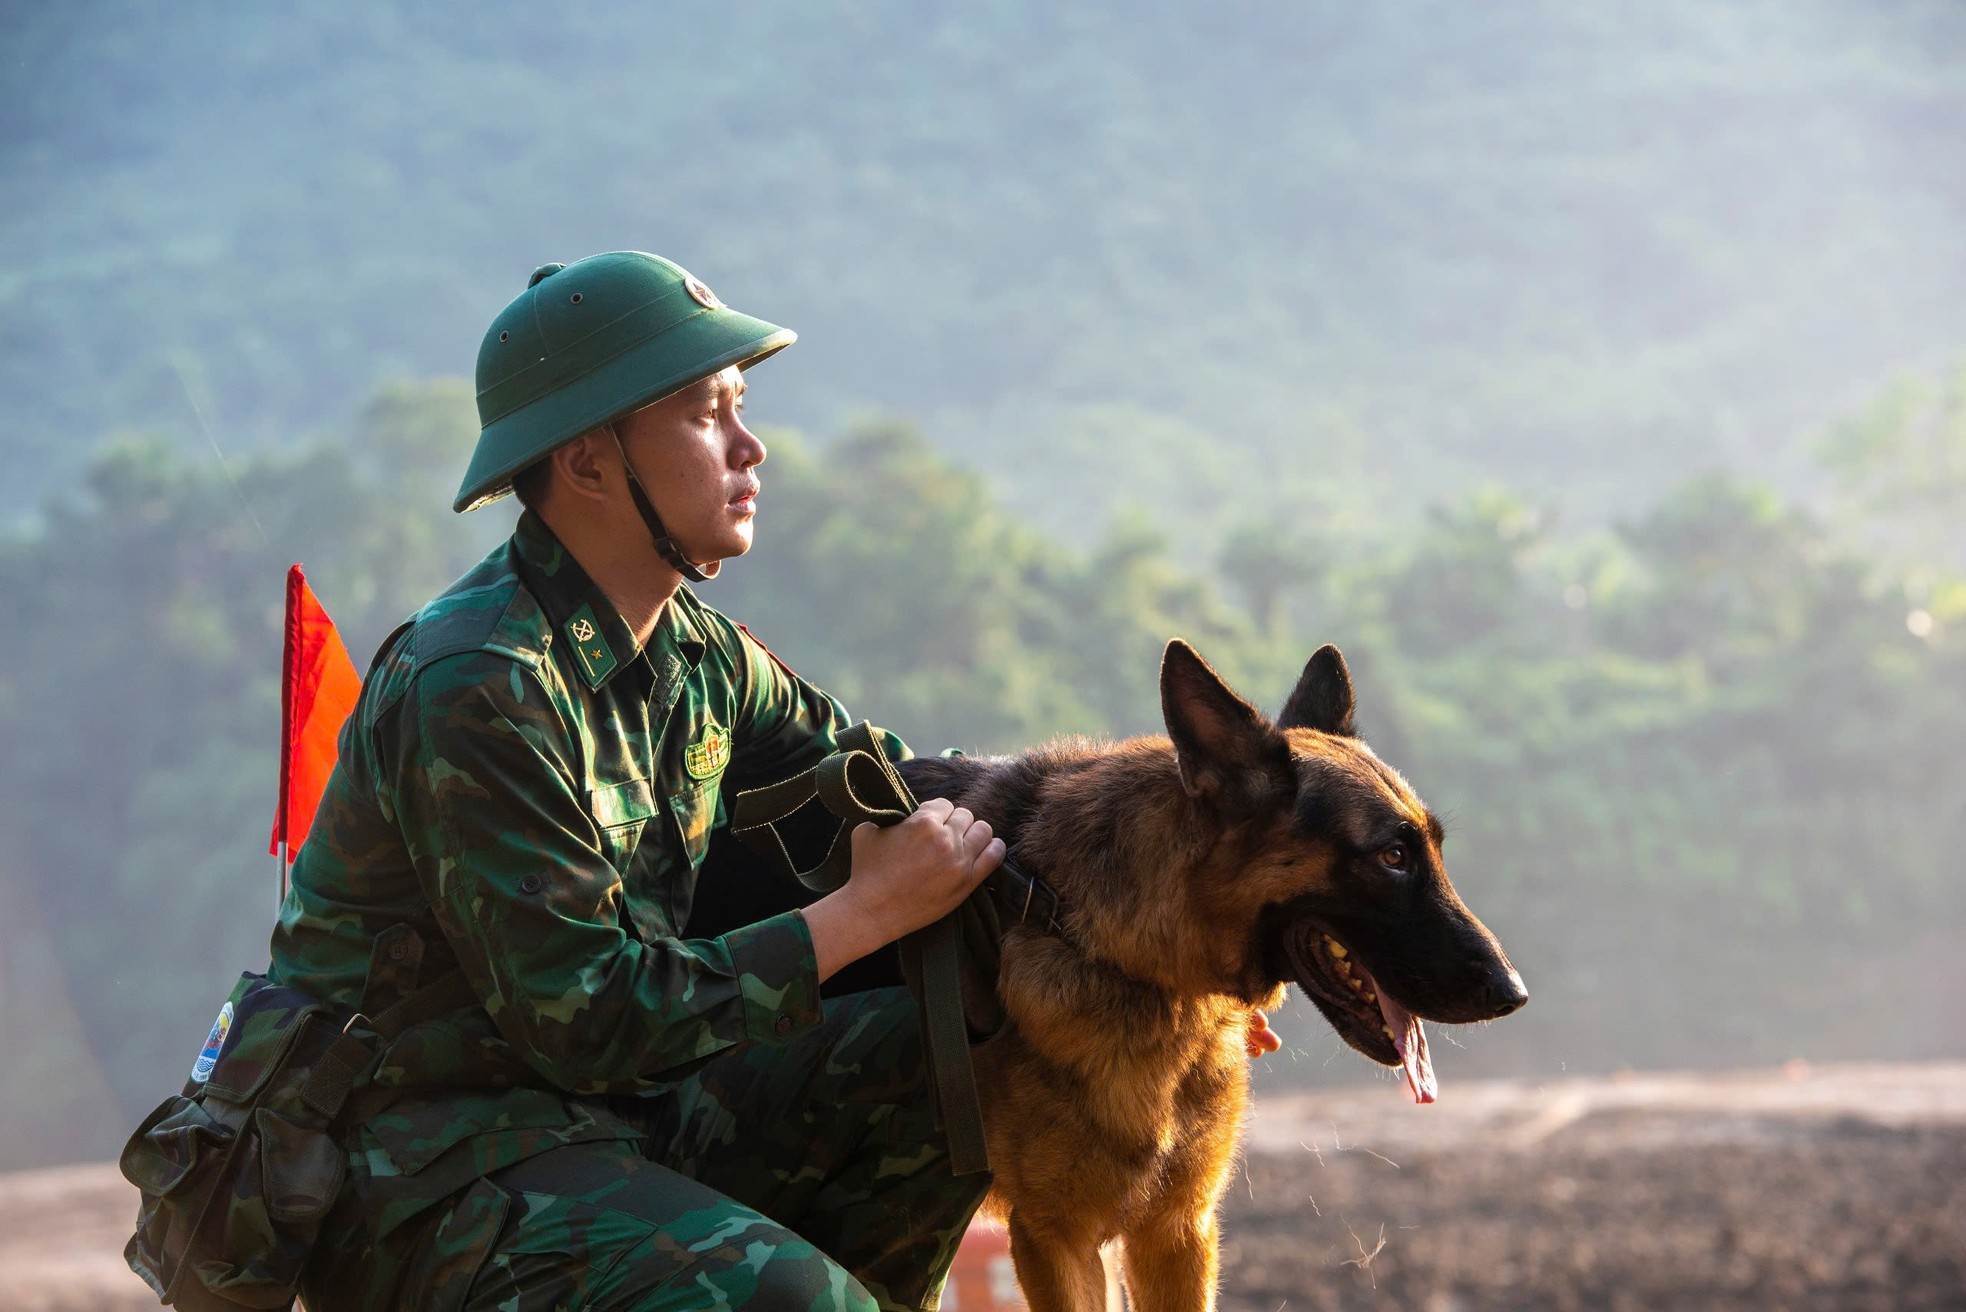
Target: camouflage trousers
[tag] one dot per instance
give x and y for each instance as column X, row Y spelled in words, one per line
column 803, row 1178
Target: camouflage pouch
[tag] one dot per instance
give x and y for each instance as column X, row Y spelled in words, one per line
column 238, row 1170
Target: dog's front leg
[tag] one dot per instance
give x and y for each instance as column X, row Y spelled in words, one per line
column 1058, row 1269
column 1171, row 1266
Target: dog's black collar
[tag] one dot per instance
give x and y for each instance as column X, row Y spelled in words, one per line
column 1026, row 899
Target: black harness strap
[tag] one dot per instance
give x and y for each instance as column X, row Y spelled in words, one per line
column 1026, row 899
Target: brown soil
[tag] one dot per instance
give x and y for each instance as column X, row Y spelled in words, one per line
column 1832, row 1188
column 62, row 1232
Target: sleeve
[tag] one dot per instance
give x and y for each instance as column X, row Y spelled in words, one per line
column 784, row 724
column 486, row 793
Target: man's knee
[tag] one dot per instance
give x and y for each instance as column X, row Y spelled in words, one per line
column 763, row 1274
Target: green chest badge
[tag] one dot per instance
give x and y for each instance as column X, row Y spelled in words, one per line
column 709, row 754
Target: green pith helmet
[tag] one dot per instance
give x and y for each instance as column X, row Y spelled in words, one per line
column 588, row 342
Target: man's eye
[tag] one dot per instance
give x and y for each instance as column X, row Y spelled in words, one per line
column 1393, row 858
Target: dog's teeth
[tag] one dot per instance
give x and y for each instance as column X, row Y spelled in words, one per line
column 1354, row 983
column 1334, row 947
column 1386, row 1030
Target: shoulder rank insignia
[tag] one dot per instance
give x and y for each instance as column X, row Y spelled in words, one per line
column 709, row 754
column 590, row 645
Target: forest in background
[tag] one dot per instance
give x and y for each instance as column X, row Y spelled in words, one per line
column 1701, row 770
column 1594, row 379
column 1344, row 250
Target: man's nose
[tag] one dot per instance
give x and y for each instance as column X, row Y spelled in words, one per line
column 748, row 449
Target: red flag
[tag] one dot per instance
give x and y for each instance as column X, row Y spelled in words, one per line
column 318, row 687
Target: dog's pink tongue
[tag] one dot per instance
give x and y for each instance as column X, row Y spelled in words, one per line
column 1410, row 1038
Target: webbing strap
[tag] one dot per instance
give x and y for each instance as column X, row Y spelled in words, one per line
column 334, row 1075
column 856, row 783
column 859, row 784
column 936, row 953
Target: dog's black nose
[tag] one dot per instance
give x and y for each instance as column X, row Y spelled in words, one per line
column 1505, row 993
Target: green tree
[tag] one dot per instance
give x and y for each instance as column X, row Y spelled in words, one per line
column 147, row 685
column 1899, row 465
column 891, row 577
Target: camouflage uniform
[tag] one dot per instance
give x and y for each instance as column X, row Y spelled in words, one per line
column 628, row 1119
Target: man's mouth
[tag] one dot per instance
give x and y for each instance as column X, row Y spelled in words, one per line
column 1364, row 1016
column 746, row 500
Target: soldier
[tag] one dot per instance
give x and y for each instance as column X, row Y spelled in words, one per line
column 621, row 1118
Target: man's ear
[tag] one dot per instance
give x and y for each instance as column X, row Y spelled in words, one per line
column 580, row 465
column 1228, row 754
column 1323, row 699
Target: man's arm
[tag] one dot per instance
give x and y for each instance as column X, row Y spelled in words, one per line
column 903, row 877
column 489, row 802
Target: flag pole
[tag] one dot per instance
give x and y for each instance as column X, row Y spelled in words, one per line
column 289, row 659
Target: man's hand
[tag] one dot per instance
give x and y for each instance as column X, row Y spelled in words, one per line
column 904, row 877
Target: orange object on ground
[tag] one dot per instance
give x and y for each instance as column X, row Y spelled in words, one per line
column 981, row 1279
column 318, row 688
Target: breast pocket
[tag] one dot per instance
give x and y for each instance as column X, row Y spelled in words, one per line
column 621, row 811
column 695, row 810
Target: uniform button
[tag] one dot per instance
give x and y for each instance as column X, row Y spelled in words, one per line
column 532, row 883
column 398, row 950
column 783, row 1026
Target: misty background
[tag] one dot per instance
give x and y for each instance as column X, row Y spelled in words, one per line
column 1596, row 380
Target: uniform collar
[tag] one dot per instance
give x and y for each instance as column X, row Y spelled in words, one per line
column 599, row 640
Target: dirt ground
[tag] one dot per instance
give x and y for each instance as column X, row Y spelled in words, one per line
column 1835, row 1187
column 1797, row 1188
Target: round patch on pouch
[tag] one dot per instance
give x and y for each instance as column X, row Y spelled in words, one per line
column 702, row 295
column 201, row 1070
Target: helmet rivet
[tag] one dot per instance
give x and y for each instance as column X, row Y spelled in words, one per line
column 505, row 337
column 576, row 298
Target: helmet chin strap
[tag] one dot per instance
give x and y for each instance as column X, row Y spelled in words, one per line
column 665, row 545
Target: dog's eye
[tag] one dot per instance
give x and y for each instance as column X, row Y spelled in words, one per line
column 1393, row 858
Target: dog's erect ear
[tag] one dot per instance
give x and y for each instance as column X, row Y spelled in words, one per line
column 1228, row 754
column 1323, row 698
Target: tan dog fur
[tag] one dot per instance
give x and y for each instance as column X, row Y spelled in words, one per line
column 1114, row 1097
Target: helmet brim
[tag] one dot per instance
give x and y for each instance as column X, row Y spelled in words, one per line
column 704, row 343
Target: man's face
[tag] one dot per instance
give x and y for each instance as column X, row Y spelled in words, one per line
column 696, row 459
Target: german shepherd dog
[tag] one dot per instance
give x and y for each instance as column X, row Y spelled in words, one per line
column 1199, row 874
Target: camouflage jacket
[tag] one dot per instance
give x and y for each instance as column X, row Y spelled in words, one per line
column 525, row 793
